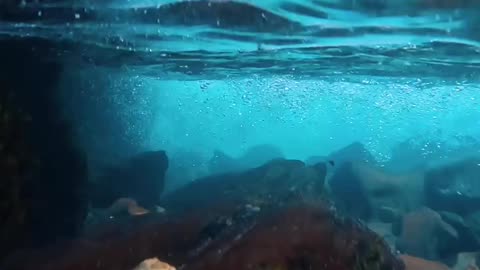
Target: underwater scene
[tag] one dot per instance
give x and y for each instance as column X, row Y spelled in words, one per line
column 240, row 135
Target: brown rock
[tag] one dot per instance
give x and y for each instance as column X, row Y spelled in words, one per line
column 303, row 236
column 415, row 263
column 127, row 205
column 421, row 232
column 154, row 264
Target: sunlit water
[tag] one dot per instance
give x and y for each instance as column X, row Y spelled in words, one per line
column 306, row 76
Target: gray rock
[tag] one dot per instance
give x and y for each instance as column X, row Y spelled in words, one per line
column 454, row 187
column 473, row 223
column 453, row 219
column 388, row 214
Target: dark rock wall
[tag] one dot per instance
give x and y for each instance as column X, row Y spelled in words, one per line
column 53, row 190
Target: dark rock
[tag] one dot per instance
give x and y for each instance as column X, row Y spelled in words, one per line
column 355, row 152
column 276, row 182
column 454, row 187
column 52, row 193
column 309, row 180
column 140, row 178
column 466, row 241
column 388, row 214
column 472, row 221
column 453, row 219
column 255, row 156
column 359, row 189
column 349, row 194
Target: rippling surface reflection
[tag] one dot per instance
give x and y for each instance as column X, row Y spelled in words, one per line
column 225, row 38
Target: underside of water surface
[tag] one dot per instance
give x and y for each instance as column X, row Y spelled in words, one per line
column 273, row 134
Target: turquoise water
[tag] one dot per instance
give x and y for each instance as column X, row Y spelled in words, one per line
column 306, row 76
column 252, row 79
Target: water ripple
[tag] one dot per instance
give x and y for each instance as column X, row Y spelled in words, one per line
column 436, row 37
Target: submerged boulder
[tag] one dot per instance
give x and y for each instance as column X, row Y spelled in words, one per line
column 301, row 237
column 454, row 187
column 472, row 221
column 422, row 233
column 416, row 263
column 297, row 236
column 467, row 240
column 364, row 191
column 270, row 217
column 276, row 182
column 141, row 178
column 354, row 152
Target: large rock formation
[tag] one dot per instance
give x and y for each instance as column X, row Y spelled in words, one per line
column 415, row 263
column 454, row 187
column 422, row 233
column 468, row 238
column 364, row 191
column 46, row 175
column 270, row 217
column 472, row 221
column 275, row 182
column 299, row 236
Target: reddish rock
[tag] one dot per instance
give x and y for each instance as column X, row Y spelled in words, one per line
column 271, row 217
column 414, row 263
column 303, row 236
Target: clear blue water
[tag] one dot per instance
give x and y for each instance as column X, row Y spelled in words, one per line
column 307, row 76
